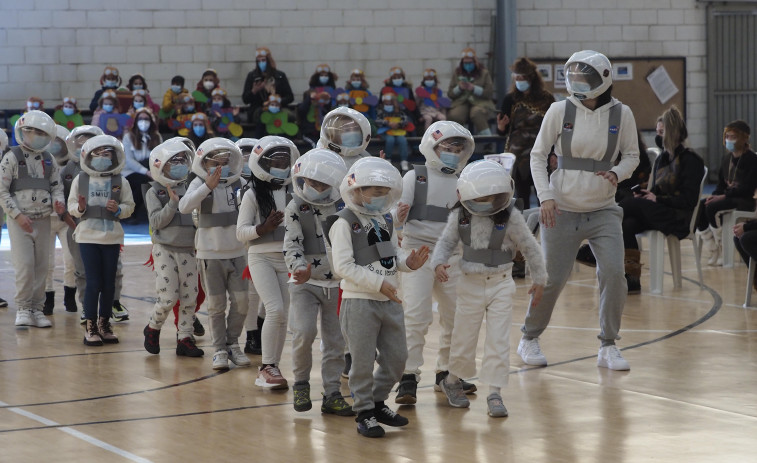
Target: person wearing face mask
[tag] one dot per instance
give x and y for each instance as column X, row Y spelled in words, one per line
column 100, row 199
column 138, row 143
column 173, row 238
column 261, row 226
column 361, row 99
column 346, row 132
column 222, row 114
column 485, row 223
column 109, row 80
column 431, row 101
column 737, row 181
column 171, row 97
column 205, row 85
column 67, row 114
column 398, row 85
column 107, row 105
column 393, row 124
column 264, row 80
column 275, row 120
column 519, row 120
column 138, row 82
column 200, row 129
column 317, row 101
column 471, row 91
column 588, row 131
column 30, row 190
column 139, row 101
column 313, row 287
column 221, row 257
column 427, row 192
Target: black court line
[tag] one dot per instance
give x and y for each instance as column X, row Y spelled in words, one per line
column 717, row 304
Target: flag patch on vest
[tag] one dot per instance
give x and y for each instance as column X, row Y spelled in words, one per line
column 421, row 179
column 305, row 208
column 567, row 127
column 156, row 163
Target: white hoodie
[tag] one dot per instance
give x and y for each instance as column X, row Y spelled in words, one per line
column 577, row 190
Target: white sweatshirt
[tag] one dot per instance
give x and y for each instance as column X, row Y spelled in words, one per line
column 442, row 192
column 35, row 204
column 94, row 230
column 213, row 242
column 577, row 190
column 249, row 219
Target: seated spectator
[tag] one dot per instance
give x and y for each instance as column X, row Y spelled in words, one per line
column 201, row 129
column 171, row 97
column 361, row 99
column 393, row 125
column 223, row 116
column 317, row 101
column 138, row 142
column 276, row 120
column 745, row 239
column 138, row 82
column 433, row 105
column 68, row 114
column 263, row 81
column 204, row 89
column 398, row 85
column 471, row 91
column 106, row 105
column 109, row 80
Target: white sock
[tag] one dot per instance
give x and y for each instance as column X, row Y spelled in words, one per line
column 495, row 390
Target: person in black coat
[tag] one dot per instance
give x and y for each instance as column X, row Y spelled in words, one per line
column 263, row 81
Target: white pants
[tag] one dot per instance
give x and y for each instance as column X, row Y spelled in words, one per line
column 176, row 280
column 59, row 229
column 270, row 276
column 30, row 253
column 421, row 288
column 479, row 295
column 256, row 308
column 219, row 278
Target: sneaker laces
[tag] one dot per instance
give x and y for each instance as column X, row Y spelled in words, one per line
column 387, row 411
column 532, row 348
column 92, row 329
column 614, row 353
column 273, row 371
column 370, row 422
column 105, row 326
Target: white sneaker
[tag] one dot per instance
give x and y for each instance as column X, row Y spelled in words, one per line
column 221, row 360
column 24, row 317
column 40, row 320
column 405, row 166
column 237, row 357
column 610, row 357
column 530, row 352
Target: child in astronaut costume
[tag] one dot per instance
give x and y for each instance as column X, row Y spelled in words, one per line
column 253, row 324
column 428, row 192
column 59, row 226
column 173, row 237
column 491, row 230
column 316, row 177
column 30, row 189
column 347, row 133
column 365, row 254
column 100, row 198
column 261, row 226
column 218, row 166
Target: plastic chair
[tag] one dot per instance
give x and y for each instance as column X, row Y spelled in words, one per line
column 728, row 219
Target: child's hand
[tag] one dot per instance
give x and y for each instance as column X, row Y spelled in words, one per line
column 502, row 121
column 390, row 291
column 273, row 220
column 402, row 211
column 82, row 203
column 25, row 223
column 111, row 206
column 172, row 194
column 441, row 272
column 536, row 292
column 301, row 276
column 382, row 155
column 59, row 207
column 416, row 259
column 213, row 179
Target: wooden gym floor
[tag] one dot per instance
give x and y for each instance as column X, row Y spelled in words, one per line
column 690, row 395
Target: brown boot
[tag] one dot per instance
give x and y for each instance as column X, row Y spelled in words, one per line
column 633, row 270
column 106, row 331
column 91, row 334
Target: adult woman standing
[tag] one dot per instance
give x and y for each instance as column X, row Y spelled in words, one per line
column 520, row 119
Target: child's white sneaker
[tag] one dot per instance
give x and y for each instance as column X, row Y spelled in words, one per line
column 221, row 360
column 610, row 357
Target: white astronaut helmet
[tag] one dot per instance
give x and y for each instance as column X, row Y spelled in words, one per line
column 218, row 152
column 588, row 74
column 35, row 130
column 447, row 146
column 317, row 175
column 102, row 156
column 58, row 147
column 3, row 142
column 170, row 162
column 246, row 145
column 372, row 186
column 76, row 139
column 345, row 132
column 272, row 160
column 485, row 188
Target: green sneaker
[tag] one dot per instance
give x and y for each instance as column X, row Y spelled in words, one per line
column 302, row 401
column 336, row 405
column 120, row 314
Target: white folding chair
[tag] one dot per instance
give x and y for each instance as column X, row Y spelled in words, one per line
column 728, row 219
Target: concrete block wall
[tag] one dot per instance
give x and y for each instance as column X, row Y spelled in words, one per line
column 57, row 48
column 557, row 28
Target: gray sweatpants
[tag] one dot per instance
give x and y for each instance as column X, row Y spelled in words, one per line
column 368, row 326
column 30, row 253
column 560, row 244
column 219, row 277
column 305, row 302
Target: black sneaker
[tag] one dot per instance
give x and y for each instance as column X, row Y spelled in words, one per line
column 187, row 348
column 120, row 314
column 468, row 388
column 152, row 340
column 253, row 345
column 634, row 284
column 406, row 392
column 368, row 426
column 301, row 392
column 47, row 309
column 347, row 365
column 3, row 303
column 336, row 405
column 585, row 256
column 389, row 417
column 199, row 330
column 69, row 299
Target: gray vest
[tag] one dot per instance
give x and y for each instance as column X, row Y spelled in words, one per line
column 178, row 220
column 364, row 252
column 312, row 242
column 420, row 209
column 492, row 255
column 100, row 212
column 209, row 219
column 23, row 181
column 67, row 176
column 567, row 161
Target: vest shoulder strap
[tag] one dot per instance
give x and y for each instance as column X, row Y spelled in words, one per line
column 567, row 161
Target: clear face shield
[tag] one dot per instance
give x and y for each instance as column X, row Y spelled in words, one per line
column 59, row 150
column 80, row 140
column 277, row 162
column 582, row 79
column 103, row 159
column 218, row 159
column 487, row 205
column 451, row 153
column 34, row 138
column 177, row 167
column 344, row 131
column 316, row 192
column 374, row 199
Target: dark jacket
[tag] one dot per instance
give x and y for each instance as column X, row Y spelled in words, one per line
column 680, row 189
column 743, row 174
column 256, row 100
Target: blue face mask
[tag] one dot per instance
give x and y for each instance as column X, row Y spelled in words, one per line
column 108, row 108
column 199, row 130
column 138, row 105
column 324, row 79
column 224, row 171
column 580, row 87
column 730, row 145
column 262, row 65
column 479, row 207
column 398, row 82
column 274, row 109
column 101, row 164
column 429, row 83
column 68, row 111
column 137, row 87
column 352, row 139
column 311, row 194
column 469, row 67
column 522, row 85
column 178, row 171
column 357, row 83
column 388, row 108
column 176, row 88
column 110, row 84
column 189, row 109
column 246, row 172
column 376, row 204
column 449, row 159
column 278, row 173
column 217, row 104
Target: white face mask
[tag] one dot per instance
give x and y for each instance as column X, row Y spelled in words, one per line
column 209, row 85
column 143, row 125
column 429, row 83
column 580, row 87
